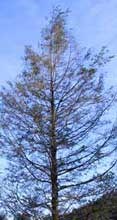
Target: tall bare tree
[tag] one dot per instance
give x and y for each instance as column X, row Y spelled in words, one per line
column 54, row 127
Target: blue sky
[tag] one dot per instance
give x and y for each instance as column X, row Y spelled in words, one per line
column 94, row 24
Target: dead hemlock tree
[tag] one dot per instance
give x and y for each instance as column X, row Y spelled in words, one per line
column 54, row 128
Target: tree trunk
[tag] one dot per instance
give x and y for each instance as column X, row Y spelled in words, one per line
column 54, row 175
column 54, row 188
